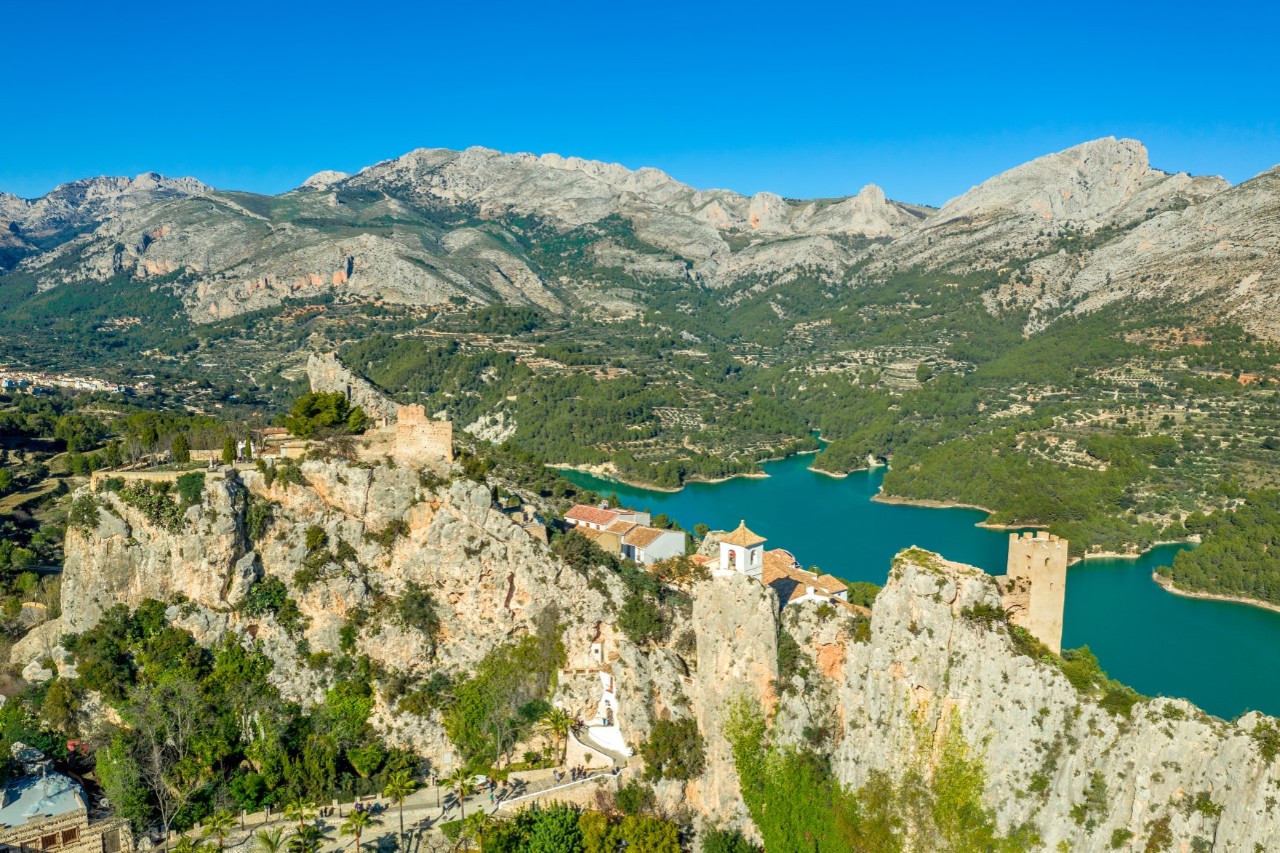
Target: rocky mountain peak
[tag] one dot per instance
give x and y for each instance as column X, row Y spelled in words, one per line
column 1085, row 182
column 323, row 180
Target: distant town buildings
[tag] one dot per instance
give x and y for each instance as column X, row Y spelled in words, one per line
column 21, row 381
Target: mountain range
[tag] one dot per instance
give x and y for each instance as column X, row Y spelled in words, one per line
column 1063, row 234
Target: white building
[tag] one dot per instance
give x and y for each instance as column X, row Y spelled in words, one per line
column 742, row 551
column 647, row 545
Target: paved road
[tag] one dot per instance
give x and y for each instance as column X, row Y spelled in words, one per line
column 421, row 814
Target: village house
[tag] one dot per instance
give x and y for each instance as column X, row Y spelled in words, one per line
column 47, row 811
column 626, row 532
column 599, row 517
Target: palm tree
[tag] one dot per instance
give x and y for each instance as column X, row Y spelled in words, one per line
column 270, row 840
column 299, row 810
column 556, row 725
column 399, row 785
column 308, row 839
column 460, row 782
column 218, row 825
column 358, row 822
column 475, row 826
column 189, row 845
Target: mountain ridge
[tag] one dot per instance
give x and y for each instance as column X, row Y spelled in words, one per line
column 482, row 226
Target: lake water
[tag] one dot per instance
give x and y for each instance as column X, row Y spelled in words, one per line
column 1221, row 656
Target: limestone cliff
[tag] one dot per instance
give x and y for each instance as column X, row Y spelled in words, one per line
column 928, row 659
column 384, row 526
column 881, row 698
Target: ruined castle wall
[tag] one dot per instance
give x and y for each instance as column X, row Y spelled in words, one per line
column 419, row 438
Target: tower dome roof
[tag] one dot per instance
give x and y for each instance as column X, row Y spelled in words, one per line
column 742, row 537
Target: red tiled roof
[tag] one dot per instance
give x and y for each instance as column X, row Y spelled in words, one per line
column 743, row 537
column 642, row 537
column 591, row 514
column 621, row 526
column 790, row 581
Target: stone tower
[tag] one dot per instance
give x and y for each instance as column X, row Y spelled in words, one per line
column 1035, row 585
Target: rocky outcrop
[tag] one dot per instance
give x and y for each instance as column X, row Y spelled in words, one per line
column 736, row 628
column 327, row 375
column 930, row 661
column 128, row 558
column 933, row 660
column 491, row 582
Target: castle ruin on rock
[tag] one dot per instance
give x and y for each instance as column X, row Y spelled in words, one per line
column 1033, row 590
column 416, row 437
column 419, row 437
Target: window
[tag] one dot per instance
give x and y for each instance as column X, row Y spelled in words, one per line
column 48, row 842
column 70, row 835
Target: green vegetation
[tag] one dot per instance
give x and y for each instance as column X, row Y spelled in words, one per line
column 317, row 413
column 498, row 705
column 197, row 718
column 796, row 803
column 674, row 750
column 563, row 829
column 1239, row 554
column 727, row 841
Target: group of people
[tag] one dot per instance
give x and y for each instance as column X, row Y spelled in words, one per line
column 573, row 774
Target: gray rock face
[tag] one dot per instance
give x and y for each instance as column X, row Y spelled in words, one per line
column 888, row 701
column 927, row 664
column 1142, row 233
column 128, row 558
column 328, row 375
column 736, row 625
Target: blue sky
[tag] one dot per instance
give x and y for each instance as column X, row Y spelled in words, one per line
column 804, row 99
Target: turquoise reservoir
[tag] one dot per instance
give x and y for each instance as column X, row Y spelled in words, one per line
column 1221, row 656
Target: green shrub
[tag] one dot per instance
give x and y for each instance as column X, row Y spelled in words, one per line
column 83, row 515
column 635, row 797
column 727, row 841
column 674, row 750
column 190, row 489
column 316, row 538
column 1120, row 837
column 270, row 596
column 641, row 620
column 258, row 518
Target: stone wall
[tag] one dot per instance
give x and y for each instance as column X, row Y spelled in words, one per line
column 1035, row 585
column 420, row 438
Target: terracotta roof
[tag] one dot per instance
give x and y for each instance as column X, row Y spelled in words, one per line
column 743, row 537
column 642, row 537
column 592, row 514
column 702, row 559
column 591, row 533
column 790, row 581
column 621, row 526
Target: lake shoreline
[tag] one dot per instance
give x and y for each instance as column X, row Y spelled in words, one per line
column 928, row 503
column 606, row 471
column 1169, row 586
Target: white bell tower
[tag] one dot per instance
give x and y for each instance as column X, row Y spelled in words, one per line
column 742, row 551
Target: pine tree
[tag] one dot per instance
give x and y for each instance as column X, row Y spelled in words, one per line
column 181, row 450
column 228, row 451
